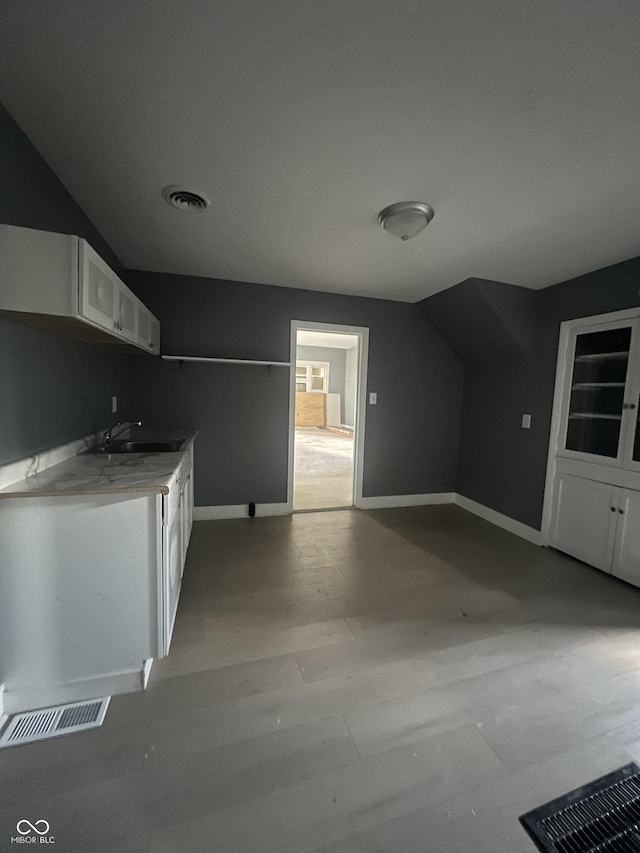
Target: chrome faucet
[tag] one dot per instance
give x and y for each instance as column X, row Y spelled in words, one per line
column 110, row 434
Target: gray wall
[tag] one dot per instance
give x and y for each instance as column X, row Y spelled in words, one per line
column 350, row 386
column 52, row 389
column 336, row 358
column 501, row 465
column 411, row 443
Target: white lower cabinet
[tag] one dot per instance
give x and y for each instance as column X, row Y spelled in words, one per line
column 186, row 513
column 626, row 562
column 89, row 589
column 585, row 520
column 179, row 516
column 173, row 568
column 599, row 524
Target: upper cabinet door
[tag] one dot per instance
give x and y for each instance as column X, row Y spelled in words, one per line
column 126, row 311
column 595, row 417
column 148, row 330
column 98, row 289
column 154, row 343
column 632, row 410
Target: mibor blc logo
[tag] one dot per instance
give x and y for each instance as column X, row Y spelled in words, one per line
column 33, row 833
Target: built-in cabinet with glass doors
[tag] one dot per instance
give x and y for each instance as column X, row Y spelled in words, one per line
column 595, row 500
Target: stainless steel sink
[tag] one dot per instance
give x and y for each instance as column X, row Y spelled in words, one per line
column 133, row 446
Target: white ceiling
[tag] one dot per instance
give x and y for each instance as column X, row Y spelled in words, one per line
column 301, row 119
column 326, row 339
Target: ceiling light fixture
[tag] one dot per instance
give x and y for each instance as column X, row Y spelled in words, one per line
column 406, row 219
column 187, row 200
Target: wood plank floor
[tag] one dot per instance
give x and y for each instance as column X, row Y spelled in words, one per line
column 347, row 682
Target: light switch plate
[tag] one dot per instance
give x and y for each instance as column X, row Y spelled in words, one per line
column 373, row 398
column 526, row 422
column 114, row 404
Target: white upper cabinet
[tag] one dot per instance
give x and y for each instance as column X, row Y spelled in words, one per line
column 126, row 313
column 147, row 329
column 59, row 282
column 601, row 389
column 97, row 289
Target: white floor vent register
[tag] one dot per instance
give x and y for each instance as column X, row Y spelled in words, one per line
column 53, row 722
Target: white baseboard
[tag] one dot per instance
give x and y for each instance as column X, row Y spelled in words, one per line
column 29, row 698
column 383, row 501
column 146, row 672
column 210, row 513
column 500, row 520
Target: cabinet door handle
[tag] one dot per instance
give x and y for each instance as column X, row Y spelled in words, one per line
column 621, row 511
column 632, row 405
column 613, row 509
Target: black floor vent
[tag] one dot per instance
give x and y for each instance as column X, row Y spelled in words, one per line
column 602, row 817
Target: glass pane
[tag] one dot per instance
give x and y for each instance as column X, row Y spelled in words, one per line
column 317, row 371
column 301, row 371
column 317, row 383
column 301, row 386
column 101, row 291
column 597, row 391
column 636, row 445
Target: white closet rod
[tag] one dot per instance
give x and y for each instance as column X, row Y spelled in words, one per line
column 225, row 360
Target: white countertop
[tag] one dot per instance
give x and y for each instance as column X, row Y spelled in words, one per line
column 97, row 473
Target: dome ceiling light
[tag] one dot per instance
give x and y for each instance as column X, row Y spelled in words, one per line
column 406, row 219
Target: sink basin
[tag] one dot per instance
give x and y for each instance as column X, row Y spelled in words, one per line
column 133, row 446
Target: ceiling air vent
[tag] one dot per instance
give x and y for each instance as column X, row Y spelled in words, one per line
column 186, row 200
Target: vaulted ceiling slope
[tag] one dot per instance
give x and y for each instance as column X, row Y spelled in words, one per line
column 302, row 119
column 484, row 321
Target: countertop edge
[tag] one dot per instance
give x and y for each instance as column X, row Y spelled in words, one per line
column 150, row 488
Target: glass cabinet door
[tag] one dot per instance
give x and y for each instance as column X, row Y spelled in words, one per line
column 633, row 406
column 597, row 399
column 636, row 444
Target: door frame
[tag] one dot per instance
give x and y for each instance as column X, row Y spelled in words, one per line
column 563, row 366
column 361, row 406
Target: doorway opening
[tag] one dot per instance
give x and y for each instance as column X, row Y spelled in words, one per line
column 328, row 365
